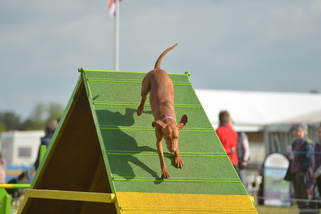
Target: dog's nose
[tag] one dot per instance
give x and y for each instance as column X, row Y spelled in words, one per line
column 171, row 148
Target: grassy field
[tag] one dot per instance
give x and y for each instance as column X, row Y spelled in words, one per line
column 260, row 209
column 276, row 210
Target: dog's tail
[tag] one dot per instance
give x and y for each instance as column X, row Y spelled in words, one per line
column 160, row 58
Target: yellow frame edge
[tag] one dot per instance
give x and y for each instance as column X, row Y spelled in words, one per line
column 71, row 195
column 68, row 195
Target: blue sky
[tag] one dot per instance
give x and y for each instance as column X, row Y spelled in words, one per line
column 229, row 45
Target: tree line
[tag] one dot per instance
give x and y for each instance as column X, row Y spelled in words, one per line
column 41, row 116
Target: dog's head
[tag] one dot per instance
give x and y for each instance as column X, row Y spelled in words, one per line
column 171, row 132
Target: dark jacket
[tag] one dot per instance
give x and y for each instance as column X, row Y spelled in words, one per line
column 305, row 155
column 305, row 159
column 44, row 142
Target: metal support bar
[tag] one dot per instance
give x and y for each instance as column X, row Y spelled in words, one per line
column 14, row 186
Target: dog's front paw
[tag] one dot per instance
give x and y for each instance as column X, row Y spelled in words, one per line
column 165, row 174
column 179, row 163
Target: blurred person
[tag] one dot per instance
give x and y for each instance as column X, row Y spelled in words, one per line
column 228, row 137
column 3, row 164
column 317, row 162
column 315, row 200
column 53, row 126
column 243, row 153
column 301, row 166
column 49, row 131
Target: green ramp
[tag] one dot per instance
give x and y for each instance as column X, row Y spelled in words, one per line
column 103, row 157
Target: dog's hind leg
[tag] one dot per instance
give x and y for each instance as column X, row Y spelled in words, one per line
column 145, row 91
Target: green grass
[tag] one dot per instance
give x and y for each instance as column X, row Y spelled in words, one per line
column 260, row 209
column 276, row 210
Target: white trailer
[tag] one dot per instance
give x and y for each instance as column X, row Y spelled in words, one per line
column 20, row 148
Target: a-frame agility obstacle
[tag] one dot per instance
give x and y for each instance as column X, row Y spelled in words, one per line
column 103, row 158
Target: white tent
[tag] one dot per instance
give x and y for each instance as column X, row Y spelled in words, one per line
column 261, row 111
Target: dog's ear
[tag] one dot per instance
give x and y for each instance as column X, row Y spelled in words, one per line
column 182, row 123
column 163, row 125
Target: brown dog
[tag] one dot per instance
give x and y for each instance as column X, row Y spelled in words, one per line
column 161, row 89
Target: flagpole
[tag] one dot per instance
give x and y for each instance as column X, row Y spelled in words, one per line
column 117, row 36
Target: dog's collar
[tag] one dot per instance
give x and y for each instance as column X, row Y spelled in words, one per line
column 169, row 117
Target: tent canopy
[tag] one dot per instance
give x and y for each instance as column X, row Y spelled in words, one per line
column 255, row 111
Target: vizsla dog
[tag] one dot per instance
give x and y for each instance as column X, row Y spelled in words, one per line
column 161, row 89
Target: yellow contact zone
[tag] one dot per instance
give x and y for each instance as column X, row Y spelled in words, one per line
column 143, row 203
